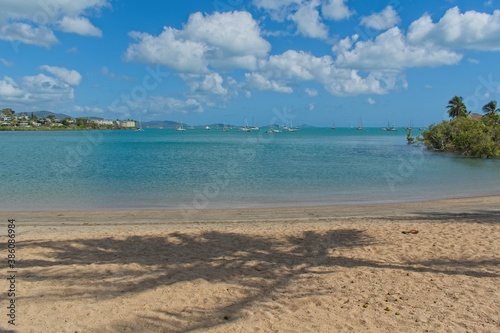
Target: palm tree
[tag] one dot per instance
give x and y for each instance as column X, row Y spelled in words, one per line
column 456, row 107
column 491, row 108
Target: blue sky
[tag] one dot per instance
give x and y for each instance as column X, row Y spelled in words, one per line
column 311, row 61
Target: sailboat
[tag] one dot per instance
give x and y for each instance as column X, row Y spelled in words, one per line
column 360, row 125
column 333, row 126
column 139, row 128
column 181, row 127
column 245, row 128
column 291, row 128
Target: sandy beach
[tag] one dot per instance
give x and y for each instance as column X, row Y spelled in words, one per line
column 300, row 269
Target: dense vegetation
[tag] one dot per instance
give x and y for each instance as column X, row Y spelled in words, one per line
column 465, row 134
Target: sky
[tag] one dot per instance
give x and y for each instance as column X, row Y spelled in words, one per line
column 313, row 62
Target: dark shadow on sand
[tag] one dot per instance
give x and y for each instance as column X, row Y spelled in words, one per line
column 263, row 265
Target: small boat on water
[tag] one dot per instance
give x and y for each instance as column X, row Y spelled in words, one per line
column 180, row 128
column 360, row 126
column 273, row 130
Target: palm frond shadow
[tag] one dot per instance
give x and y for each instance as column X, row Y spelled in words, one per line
column 262, row 265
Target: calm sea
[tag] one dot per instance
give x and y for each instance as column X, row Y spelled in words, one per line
column 213, row 169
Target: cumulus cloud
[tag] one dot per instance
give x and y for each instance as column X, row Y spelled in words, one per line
column 79, row 25
column 281, row 72
column 387, row 18
column 168, row 50
column 336, row 10
column 48, row 11
column 470, row 30
column 9, row 89
column 260, row 82
column 371, row 101
column 308, row 21
column 35, row 91
column 31, row 21
column 222, row 40
column 71, row 77
column 211, row 83
column 390, row 51
column 25, row 33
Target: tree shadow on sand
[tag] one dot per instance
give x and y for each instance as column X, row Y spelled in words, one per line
column 261, row 266
column 478, row 216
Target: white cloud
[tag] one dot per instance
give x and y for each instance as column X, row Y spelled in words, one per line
column 222, row 40
column 336, row 10
column 470, row 30
column 6, row 63
column 31, row 21
column 79, row 25
column 387, row 18
column 25, row 33
column 71, row 77
column 35, row 92
column 260, row 82
column 45, row 88
column 168, row 50
column 292, row 68
column 371, row 101
column 48, row 11
column 9, row 89
column 293, row 65
column 278, row 9
column 311, row 92
column 309, row 22
column 390, row 51
column 211, row 83
column 473, row 61
column 72, row 50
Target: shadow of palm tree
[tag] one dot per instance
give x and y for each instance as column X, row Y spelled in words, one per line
column 262, row 265
column 479, row 216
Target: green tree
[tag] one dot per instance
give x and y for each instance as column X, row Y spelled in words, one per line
column 490, row 108
column 8, row 112
column 456, row 107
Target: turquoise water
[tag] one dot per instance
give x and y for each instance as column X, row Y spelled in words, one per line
column 213, row 169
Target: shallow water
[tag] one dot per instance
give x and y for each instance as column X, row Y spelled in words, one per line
column 213, row 169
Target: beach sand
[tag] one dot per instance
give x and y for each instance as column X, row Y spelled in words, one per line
column 301, row 269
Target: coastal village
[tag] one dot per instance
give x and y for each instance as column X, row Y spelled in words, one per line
column 44, row 120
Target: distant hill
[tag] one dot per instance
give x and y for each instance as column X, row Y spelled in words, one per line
column 45, row 114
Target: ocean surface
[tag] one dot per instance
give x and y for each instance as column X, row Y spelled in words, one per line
column 168, row 169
